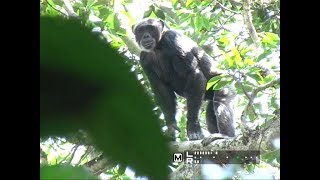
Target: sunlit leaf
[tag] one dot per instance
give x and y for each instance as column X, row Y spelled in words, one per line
column 110, row 21
column 214, row 80
column 236, row 53
column 223, row 82
column 225, row 40
column 248, row 62
column 188, row 3
column 272, row 36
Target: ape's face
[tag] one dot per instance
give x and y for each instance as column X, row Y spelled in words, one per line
column 148, row 33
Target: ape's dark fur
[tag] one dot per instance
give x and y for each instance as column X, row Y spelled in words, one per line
column 175, row 64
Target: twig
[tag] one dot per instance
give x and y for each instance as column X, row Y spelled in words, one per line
column 73, row 153
column 69, row 8
column 254, row 94
column 227, row 9
column 248, row 21
column 88, row 150
column 74, row 148
column 55, row 8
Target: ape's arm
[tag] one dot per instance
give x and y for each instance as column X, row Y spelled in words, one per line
column 164, row 95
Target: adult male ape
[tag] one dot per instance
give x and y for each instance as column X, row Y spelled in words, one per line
column 173, row 64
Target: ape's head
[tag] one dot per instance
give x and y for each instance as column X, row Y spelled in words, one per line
column 148, row 33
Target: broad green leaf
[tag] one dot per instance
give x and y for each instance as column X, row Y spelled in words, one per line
column 272, row 36
column 116, row 23
column 214, row 80
column 238, row 88
column 264, row 55
column 104, row 12
column 247, row 87
column 52, row 3
column 85, row 84
column 268, row 78
column 198, row 22
column 223, row 82
column 206, row 23
column 110, row 21
column 274, row 102
column 65, row 172
column 148, row 12
column 256, row 76
column 159, row 13
column 90, row 3
column 251, row 116
column 270, row 156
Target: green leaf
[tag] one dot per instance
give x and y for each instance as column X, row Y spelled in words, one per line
column 223, row 82
column 90, row 3
column 85, row 84
column 148, row 12
column 274, row 102
column 116, row 23
column 110, row 21
column 268, row 78
column 214, row 80
column 225, row 40
column 251, row 116
column 263, row 55
column 238, row 88
column 188, row 2
column 198, row 22
column 271, row 156
column 255, row 75
column 206, row 23
column 174, row 2
column 65, row 172
column 159, row 13
column 272, row 36
column 183, row 133
column 236, row 53
column 248, row 62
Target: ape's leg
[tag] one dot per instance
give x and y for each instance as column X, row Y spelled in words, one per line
column 220, row 116
column 223, row 108
column 211, row 118
column 166, row 99
column 194, row 92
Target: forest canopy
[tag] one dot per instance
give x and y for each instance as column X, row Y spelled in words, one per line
column 97, row 110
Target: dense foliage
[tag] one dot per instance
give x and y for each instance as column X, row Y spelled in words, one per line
column 222, row 28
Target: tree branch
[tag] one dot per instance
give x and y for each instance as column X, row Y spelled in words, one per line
column 257, row 140
column 100, row 164
column 254, row 94
column 227, row 9
column 248, row 21
column 69, row 8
